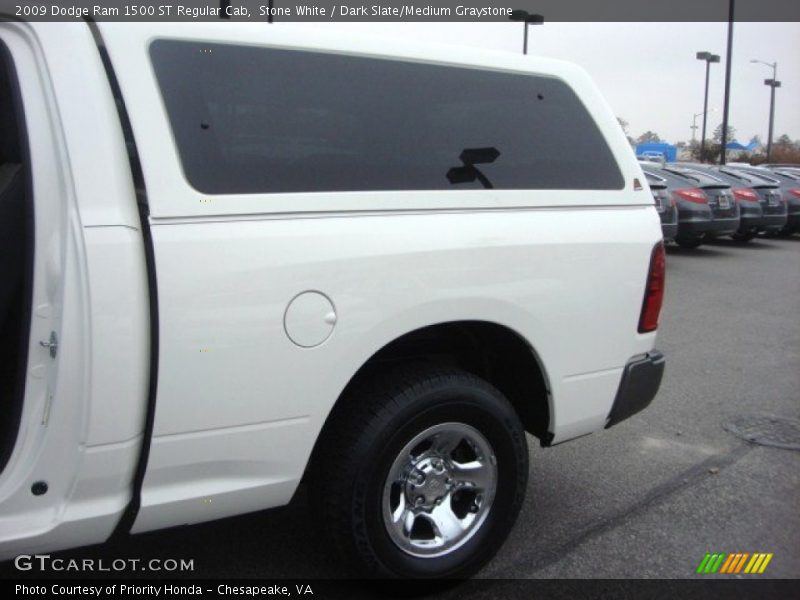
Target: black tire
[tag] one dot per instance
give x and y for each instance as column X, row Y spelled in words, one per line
column 685, row 241
column 362, row 441
column 743, row 236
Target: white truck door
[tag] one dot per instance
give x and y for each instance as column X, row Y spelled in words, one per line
column 80, row 372
column 34, row 269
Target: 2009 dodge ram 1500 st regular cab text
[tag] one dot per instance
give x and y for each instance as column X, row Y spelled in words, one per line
column 238, row 256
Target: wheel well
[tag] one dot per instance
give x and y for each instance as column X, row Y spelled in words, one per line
column 490, row 351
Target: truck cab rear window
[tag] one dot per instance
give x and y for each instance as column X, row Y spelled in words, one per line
column 250, row 120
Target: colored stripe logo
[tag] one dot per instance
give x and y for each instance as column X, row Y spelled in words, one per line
column 737, row 562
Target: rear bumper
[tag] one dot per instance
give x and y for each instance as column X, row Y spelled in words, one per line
column 750, row 215
column 669, row 230
column 749, row 223
column 694, row 226
column 725, row 226
column 717, row 226
column 640, row 381
column 772, row 222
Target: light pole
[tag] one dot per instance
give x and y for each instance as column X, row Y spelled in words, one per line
column 694, row 123
column 726, row 100
column 709, row 58
column 772, row 83
column 694, row 127
column 527, row 19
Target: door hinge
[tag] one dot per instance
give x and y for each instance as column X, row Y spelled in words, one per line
column 52, row 344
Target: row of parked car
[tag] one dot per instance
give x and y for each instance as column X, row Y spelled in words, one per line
column 699, row 202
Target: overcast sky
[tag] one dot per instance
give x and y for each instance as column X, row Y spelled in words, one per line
column 648, row 71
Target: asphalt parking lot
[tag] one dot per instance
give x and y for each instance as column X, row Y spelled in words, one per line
column 646, row 499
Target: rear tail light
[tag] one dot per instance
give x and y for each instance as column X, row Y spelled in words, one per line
column 654, row 290
column 692, row 195
column 745, row 194
column 795, row 192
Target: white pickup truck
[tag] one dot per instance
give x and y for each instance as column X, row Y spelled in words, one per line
column 236, row 257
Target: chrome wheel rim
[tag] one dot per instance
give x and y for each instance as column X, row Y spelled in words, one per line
column 439, row 490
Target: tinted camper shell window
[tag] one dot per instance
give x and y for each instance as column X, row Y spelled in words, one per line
column 251, row 120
